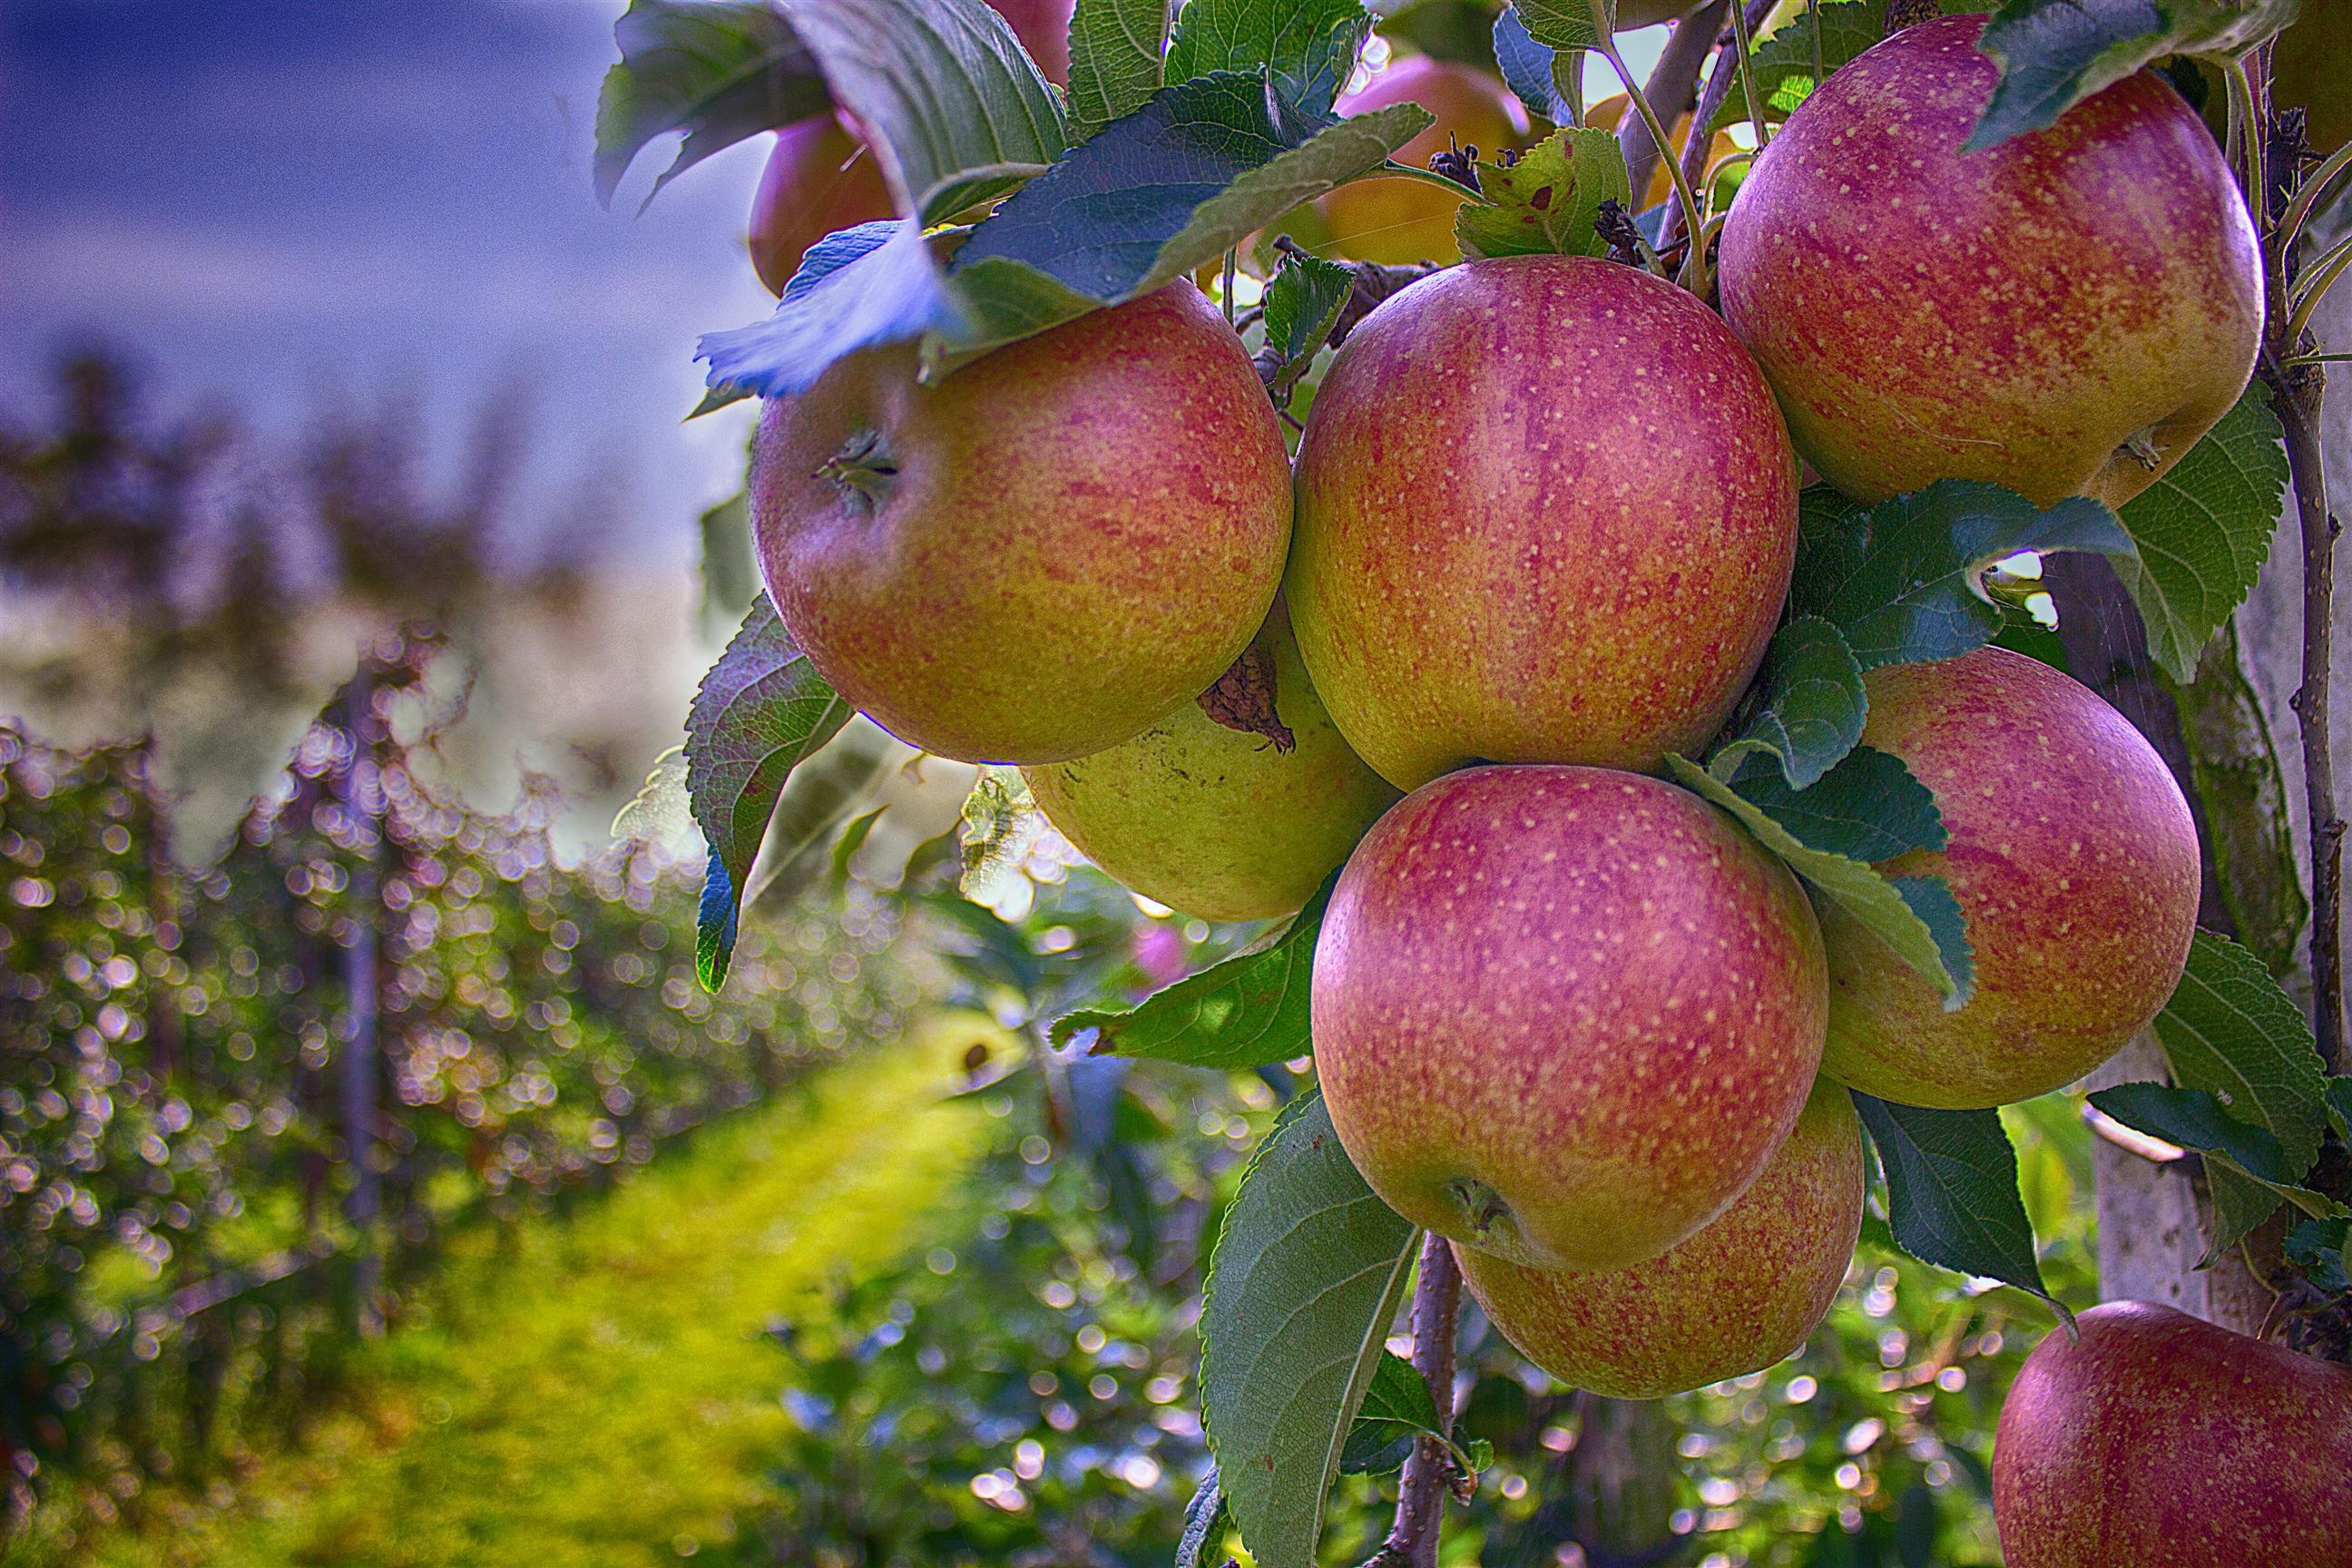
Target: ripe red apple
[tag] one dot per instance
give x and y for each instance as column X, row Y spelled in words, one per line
column 820, row 177
column 1398, row 220
column 1547, row 513
column 1215, row 822
column 1734, row 1297
column 2161, row 1441
column 1564, row 1014
column 2065, row 313
column 2071, row 854
column 1044, row 554
column 1044, row 29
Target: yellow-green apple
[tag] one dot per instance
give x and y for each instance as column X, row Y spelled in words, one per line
column 2156, row 1440
column 820, row 177
column 1737, row 1296
column 2071, row 854
column 1214, row 821
column 2063, row 313
column 1044, row 554
column 1395, row 220
column 1547, row 513
column 1564, row 1014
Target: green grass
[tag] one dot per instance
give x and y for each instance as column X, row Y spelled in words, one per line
column 597, row 1390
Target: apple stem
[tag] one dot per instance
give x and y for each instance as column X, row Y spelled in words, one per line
column 2275, row 153
column 1711, row 100
column 1421, row 1494
column 1695, row 271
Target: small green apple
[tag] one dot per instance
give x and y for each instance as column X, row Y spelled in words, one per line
column 1214, row 821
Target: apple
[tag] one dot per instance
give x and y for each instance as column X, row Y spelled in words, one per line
column 1395, row 220
column 1044, row 29
column 2065, row 313
column 1563, row 1014
column 1215, row 822
column 2161, row 1441
column 1734, row 1297
column 1041, row 555
column 1546, row 513
column 820, row 177
column 2071, row 854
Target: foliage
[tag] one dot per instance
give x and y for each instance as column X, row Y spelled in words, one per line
column 174, row 1052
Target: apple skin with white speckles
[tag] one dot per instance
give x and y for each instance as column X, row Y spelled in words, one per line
column 1041, row 555
column 1546, row 513
column 2162, row 1441
column 2071, row 854
column 2016, row 315
column 1216, row 822
column 1737, row 1296
column 1564, row 1014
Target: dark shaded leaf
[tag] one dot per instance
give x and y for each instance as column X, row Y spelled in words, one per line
column 2053, row 54
column 1869, row 807
column 760, row 710
column 1806, row 710
column 1397, row 1409
column 719, row 70
column 1303, row 301
column 1205, row 1522
column 1784, row 62
column 1545, row 78
column 1116, row 49
column 1951, row 1191
column 1307, row 46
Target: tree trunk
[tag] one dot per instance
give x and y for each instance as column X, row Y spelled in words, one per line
column 1620, row 1483
column 363, row 801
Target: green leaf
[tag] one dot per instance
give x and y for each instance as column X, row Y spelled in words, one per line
column 1545, row 202
column 1806, row 708
column 1179, row 183
column 2237, row 1149
column 2231, row 1033
column 1951, row 1191
column 761, row 712
column 883, row 293
column 2195, row 1119
column 824, row 793
column 719, row 70
column 1869, row 807
column 956, row 113
column 2203, row 531
column 1246, row 1012
column 1000, row 302
column 1307, row 46
column 1546, row 80
column 2317, row 1246
column 2339, row 1106
column 1302, row 1291
column 1904, row 580
column 1888, row 909
column 2053, row 54
column 1206, row 1520
column 1397, row 1409
column 1303, row 301
column 1784, row 62
column 1116, row 48
column 1569, row 24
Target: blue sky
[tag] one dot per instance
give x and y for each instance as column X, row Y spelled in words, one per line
column 277, row 200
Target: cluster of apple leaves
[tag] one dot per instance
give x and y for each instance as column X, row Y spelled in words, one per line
column 1181, row 136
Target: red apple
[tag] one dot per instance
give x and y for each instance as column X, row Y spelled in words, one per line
column 1041, row 555
column 1564, row 1014
column 2074, row 858
column 1044, row 29
column 1214, row 821
column 2065, row 313
column 1546, row 513
column 2161, row 1441
column 1737, row 1296
column 1395, row 220
column 820, row 177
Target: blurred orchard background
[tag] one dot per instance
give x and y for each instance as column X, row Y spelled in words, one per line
column 376, row 1185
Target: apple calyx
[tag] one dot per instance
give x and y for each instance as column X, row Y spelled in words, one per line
column 863, row 470
column 1491, row 1224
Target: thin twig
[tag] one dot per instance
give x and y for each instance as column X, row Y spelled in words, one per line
column 2297, row 391
column 1421, row 1496
column 1710, row 99
column 1695, row 274
column 1672, row 86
